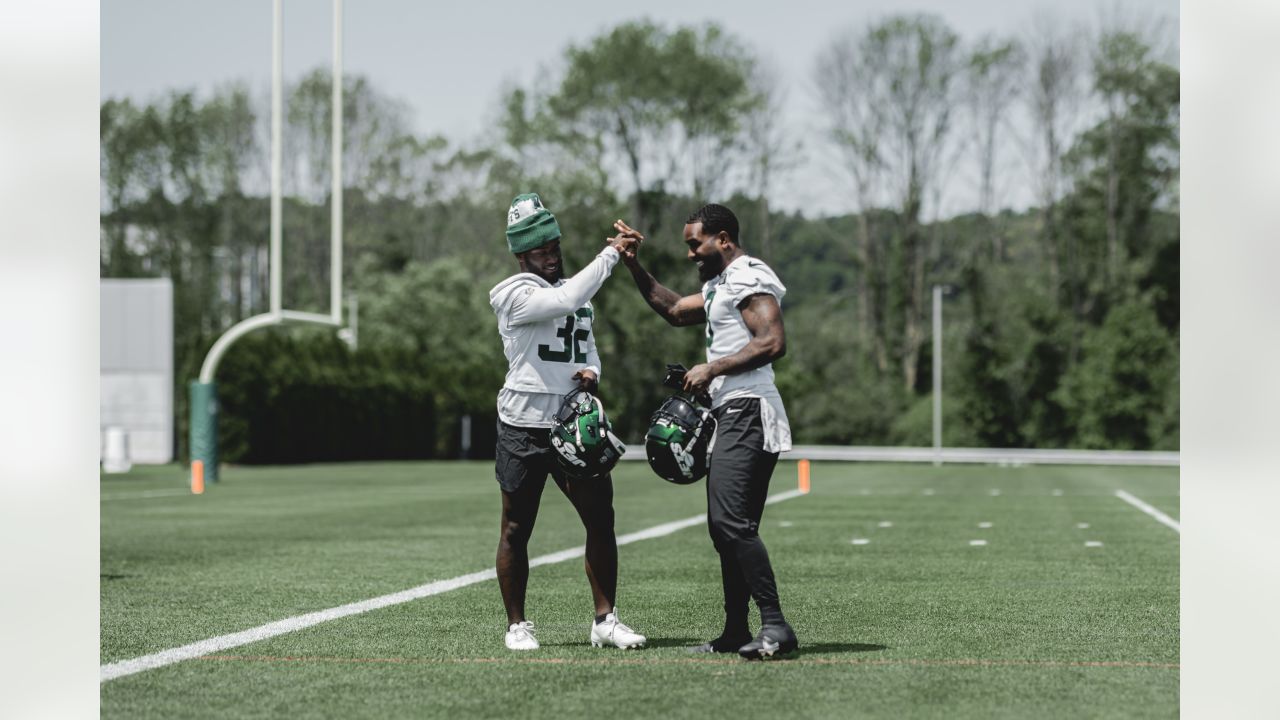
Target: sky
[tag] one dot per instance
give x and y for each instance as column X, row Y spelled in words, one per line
column 450, row 61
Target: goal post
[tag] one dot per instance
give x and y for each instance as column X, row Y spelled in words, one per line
column 204, row 391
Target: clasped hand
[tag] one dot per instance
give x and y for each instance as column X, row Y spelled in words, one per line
column 627, row 241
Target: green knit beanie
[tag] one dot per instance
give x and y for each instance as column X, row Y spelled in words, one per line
column 529, row 224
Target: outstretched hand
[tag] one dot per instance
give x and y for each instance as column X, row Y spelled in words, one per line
column 626, row 232
column 624, row 245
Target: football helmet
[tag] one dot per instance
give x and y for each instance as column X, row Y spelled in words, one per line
column 680, row 438
column 582, row 437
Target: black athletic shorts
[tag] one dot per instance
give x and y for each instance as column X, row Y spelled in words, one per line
column 524, row 455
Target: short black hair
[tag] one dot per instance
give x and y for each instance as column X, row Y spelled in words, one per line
column 715, row 218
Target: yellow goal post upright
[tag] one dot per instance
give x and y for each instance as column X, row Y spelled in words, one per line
column 204, row 391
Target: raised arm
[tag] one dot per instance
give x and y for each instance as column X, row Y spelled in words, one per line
column 668, row 303
column 676, row 309
column 763, row 318
column 538, row 304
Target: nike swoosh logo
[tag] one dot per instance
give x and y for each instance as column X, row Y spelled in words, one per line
column 730, row 412
column 770, row 646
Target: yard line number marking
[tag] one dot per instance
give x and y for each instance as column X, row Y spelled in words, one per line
column 1164, row 519
column 121, row 668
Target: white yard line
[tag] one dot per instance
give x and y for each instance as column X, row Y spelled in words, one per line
column 121, row 668
column 1149, row 510
column 781, row 496
column 143, row 495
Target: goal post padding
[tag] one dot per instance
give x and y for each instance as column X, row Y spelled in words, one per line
column 204, row 427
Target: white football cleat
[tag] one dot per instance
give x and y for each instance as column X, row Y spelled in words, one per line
column 520, row 636
column 613, row 633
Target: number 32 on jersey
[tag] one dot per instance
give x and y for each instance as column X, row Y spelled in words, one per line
column 573, row 338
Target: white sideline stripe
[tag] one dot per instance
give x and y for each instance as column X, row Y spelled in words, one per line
column 1149, row 510
column 121, row 668
column 143, row 494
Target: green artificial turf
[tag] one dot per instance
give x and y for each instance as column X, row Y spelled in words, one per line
column 914, row 622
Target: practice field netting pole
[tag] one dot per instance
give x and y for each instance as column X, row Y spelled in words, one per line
column 204, row 392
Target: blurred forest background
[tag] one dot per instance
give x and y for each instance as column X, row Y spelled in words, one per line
column 1061, row 318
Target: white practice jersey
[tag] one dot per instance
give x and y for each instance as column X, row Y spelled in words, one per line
column 727, row 334
column 547, row 335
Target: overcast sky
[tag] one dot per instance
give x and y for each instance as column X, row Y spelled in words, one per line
column 449, row 61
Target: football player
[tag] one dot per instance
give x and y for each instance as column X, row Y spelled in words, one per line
column 741, row 304
column 546, row 326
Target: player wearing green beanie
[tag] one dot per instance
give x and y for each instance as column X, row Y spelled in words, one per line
column 547, row 327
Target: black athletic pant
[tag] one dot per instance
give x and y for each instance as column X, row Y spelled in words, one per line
column 737, row 486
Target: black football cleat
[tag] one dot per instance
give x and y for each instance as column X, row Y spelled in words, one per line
column 773, row 643
column 722, row 644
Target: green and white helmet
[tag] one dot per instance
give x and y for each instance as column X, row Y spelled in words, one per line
column 679, row 441
column 582, row 437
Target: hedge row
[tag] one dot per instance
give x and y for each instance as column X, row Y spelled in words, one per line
column 293, row 398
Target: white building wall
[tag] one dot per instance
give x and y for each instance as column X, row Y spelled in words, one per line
column 136, row 365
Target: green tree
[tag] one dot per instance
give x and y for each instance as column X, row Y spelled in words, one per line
column 439, row 313
column 1124, row 170
column 845, row 73
column 1118, row 395
column 904, row 73
column 1052, row 98
column 661, row 107
column 993, row 81
column 988, row 397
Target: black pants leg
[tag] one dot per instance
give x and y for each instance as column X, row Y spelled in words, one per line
column 737, row 486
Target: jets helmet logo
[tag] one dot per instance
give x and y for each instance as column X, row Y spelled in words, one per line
column 568, row 452
column 683, row 458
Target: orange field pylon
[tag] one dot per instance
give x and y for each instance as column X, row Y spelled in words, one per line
column 802, row 468
column 197, row 477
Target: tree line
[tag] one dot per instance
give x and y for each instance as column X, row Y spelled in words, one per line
column 1061, row 319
